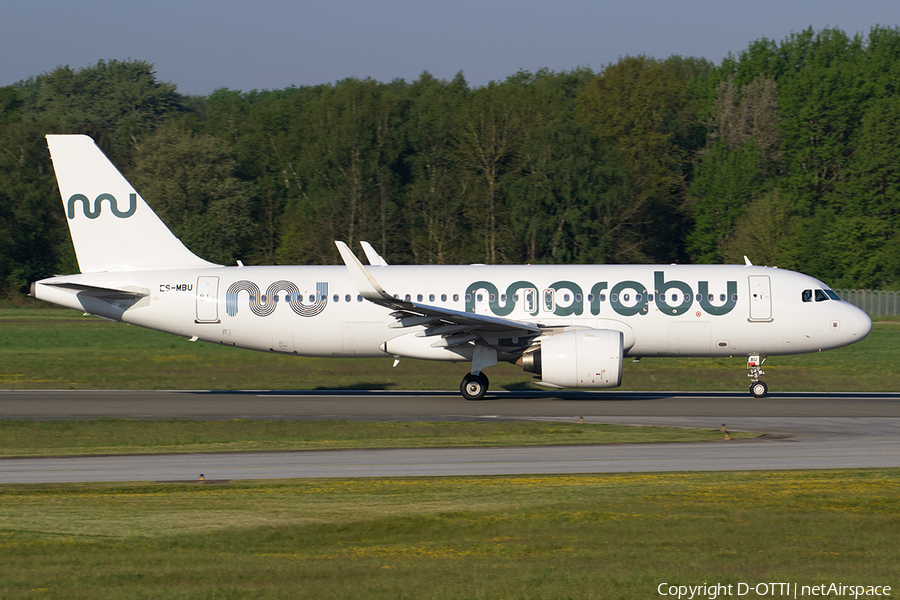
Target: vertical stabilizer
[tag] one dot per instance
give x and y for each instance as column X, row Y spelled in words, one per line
column 113, row 229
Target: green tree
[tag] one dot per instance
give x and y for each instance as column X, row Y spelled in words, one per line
column 865, row 237
column 115, row 102
column 564, row 196
column 188, row 180
column 644, row 110
column 490, row 129
column 765, row 234
column 350, row 150
column 739, row 163
column 34, row 240
column 436, row 185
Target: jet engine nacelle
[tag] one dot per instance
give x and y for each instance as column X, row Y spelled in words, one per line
column 584, row 358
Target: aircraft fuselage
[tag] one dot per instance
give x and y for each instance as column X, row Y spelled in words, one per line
column 662, row 310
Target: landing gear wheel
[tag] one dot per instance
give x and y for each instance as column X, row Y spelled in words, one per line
column 758, row 389
column 473, row 387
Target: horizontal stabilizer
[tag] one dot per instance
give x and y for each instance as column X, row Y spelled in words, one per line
column 101, row 292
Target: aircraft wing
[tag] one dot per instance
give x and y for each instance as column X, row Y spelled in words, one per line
column 453, row 325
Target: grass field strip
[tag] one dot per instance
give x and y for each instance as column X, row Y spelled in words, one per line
column 523, row 537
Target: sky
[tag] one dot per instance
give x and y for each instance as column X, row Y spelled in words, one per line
column 202, row 45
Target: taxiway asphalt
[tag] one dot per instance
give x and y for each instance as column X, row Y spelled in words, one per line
column 803, row 431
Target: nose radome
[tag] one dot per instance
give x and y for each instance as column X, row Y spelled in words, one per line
column 856, row 323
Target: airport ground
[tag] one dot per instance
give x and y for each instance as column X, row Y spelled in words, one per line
column 591, row 530
column 556, row 524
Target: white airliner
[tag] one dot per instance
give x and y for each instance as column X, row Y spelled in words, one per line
column 571, row 326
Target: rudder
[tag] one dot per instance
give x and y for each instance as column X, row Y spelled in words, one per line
column 113, row 229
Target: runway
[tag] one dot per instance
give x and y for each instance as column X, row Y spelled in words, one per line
column 432, row 406
column 803, row 431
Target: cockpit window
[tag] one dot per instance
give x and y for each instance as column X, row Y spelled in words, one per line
column 821, row 296
column 807, row 295
column 832, row 295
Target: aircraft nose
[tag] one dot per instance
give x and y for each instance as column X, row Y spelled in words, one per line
column 857, row 322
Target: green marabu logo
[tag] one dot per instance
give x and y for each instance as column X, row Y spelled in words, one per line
column 627, row 298
column 98, row 205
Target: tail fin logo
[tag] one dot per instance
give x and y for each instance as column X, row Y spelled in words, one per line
column 98, row 205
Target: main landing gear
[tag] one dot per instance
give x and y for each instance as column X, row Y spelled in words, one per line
column 758, row 389
column 475, row 384
column 473, row 387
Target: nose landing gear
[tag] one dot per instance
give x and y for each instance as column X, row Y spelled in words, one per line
column 758, row 389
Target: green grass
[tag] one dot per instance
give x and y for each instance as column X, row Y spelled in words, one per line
column 122, row 436
column 541, row 537
column 61, row 349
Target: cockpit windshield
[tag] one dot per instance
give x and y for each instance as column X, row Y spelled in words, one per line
column 819, row 295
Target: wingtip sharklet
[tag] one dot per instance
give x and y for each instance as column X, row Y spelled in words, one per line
column 368, row 287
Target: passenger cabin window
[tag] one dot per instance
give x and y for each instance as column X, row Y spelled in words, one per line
column 347, row 298
column 443, row 297
column 548, row 300
column 456, row 297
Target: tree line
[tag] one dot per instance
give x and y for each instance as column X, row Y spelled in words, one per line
column 787, row 152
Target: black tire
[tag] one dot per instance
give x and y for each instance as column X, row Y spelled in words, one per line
column 474, row 387
column 758, row 389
